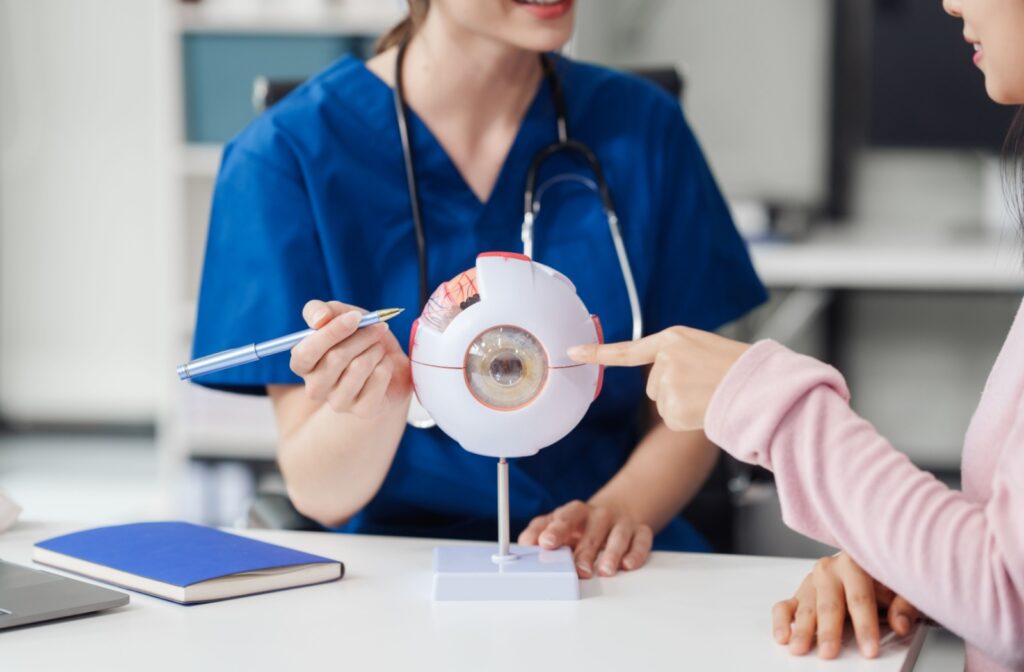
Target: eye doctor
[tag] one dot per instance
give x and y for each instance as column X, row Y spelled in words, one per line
column 909, row 541
column 344, row 191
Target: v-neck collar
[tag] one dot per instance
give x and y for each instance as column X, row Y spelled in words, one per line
column 435, row 171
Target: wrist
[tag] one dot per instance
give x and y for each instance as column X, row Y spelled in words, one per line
column 620, row 505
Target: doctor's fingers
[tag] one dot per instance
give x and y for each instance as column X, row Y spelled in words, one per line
column 566, row 524
column 639, row 548
column 317, row 313
column 308, row 352
column 354, row 377
column 325, row 373
column 615, row 546
column 371, row 400
column 620, row 539
column 599, row 524
column 531, row 535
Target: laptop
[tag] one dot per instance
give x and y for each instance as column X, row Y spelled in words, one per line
column 31, row 596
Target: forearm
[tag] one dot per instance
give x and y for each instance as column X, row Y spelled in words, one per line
column 333, row 463
column 955, row 559
column 662, row 475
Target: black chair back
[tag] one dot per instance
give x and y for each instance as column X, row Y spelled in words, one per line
column 267, row 92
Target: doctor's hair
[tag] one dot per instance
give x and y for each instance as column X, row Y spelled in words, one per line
column 1013, row 170
column 406, row 27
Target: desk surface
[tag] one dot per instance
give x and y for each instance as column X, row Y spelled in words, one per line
column 682, row 611
column 875, row 257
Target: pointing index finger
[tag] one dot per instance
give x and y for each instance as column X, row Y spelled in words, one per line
column 626, row 353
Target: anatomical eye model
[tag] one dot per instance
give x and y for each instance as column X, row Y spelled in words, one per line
column 489, row 357
column 489, row 364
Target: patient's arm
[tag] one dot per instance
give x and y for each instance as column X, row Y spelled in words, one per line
column 959, row 561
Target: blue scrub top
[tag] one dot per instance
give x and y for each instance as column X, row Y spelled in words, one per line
column 311, row 202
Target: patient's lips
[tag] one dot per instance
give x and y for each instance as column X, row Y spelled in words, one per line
column 979, row 51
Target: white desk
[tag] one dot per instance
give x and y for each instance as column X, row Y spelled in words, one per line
column 682, row 611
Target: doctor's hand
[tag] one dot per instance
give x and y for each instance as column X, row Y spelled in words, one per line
column 835, row 586
column 688, row 365
column 597, row 535
column 358, row 371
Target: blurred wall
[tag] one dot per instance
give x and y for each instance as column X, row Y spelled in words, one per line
column 78, row 188
column 917, row 363
column 757, row 81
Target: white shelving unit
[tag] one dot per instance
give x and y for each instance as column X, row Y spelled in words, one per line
column 874, row 257
column 196, row 423
column 200, row 159
column 290, row 17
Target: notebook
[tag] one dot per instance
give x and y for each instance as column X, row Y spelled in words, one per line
column 182, row 562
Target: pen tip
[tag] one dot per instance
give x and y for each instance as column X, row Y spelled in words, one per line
column 389, row 313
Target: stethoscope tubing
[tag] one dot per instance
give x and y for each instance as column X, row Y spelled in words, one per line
column 531, row 205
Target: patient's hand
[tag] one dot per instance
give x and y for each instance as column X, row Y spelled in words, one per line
column 597, row 534
column 836, row 585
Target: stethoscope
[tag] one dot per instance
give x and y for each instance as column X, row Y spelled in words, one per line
column 531, row 197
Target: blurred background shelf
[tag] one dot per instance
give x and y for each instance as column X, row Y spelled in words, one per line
column 201, row 159
column 868, row 256
column 218, row 50
column 290, row 17
column 223, row 426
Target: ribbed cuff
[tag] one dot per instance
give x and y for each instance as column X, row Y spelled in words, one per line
column 717, row 424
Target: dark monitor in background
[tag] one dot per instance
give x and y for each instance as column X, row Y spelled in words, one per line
column 904, row 78
column 924, row 90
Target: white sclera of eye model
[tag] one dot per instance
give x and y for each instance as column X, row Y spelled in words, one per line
column 496, row 377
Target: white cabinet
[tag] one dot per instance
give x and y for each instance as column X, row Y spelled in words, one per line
column 80, row 268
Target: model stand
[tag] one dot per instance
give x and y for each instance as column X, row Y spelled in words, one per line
column 489, row 364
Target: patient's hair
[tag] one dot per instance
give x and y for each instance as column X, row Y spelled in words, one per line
column 1013, row 169
column 406, row 27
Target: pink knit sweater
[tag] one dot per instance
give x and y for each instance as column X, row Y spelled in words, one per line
column 959, row 557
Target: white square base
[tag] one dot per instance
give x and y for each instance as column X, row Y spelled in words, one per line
column 463, row 573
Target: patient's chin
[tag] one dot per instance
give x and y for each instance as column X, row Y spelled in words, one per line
column 1004, row 93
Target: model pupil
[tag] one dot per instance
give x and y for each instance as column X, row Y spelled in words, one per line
column 507, row 368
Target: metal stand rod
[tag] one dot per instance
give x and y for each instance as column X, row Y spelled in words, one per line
column 504, row 551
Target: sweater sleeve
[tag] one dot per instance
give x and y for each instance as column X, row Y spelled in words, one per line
column 839, row 481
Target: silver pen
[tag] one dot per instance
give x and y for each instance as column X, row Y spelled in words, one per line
column 256, row 351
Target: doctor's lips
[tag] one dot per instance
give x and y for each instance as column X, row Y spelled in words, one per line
column 546, row 9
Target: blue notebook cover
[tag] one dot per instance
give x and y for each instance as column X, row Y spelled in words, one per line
column 179, row 554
